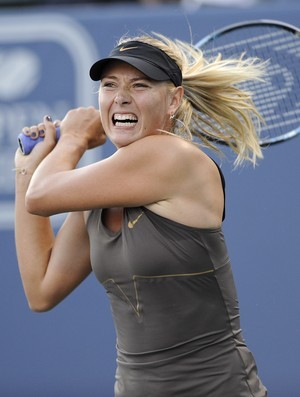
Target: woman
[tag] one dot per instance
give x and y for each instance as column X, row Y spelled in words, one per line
column 147, row 220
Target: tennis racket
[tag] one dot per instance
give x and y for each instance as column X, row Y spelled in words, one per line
column 278, row 97
column 26, row 144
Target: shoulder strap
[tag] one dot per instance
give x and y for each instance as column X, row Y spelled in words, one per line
column 223, row 186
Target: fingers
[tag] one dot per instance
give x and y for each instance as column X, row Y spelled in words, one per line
column 39, row 130
column 57, row 123
column 35, row 131
column 48, row 122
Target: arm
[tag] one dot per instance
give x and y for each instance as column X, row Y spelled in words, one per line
column 158, row 171
column 50, row 267
column 131, row 177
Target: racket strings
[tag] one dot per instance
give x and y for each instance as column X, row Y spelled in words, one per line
column 278, row 97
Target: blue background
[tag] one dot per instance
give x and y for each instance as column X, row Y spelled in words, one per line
column 70, row 351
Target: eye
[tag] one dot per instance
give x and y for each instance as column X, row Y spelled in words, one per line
column 108, row 83
column 141, row 85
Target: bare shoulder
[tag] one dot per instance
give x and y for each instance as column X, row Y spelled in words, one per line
column 185, row 158
column 186, row 155
column 168, row 149
column 196, row 195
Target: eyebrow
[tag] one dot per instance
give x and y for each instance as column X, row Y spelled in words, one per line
column 131, row 80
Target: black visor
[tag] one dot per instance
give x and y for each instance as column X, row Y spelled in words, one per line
column 150, row 60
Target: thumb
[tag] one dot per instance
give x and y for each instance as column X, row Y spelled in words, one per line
column 50, row 133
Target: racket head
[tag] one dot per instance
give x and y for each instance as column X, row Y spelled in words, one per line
column 277, row 98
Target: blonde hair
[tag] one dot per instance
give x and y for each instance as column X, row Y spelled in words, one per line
column 214, row 108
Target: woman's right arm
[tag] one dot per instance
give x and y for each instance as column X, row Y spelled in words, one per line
column 50, row 266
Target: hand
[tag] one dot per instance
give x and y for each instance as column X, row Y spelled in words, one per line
column 41, row 149
column 85, row 125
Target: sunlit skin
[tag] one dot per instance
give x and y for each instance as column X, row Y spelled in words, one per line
column 165, row 174
column 148, row 104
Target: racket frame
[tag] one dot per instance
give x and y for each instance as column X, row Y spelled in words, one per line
column 256, row 22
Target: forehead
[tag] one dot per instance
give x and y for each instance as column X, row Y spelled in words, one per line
column 116, row 67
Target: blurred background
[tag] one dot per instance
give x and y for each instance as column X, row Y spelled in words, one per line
column 46, row 50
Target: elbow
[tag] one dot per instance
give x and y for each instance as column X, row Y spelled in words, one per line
column 39, row 307
column 36, row 204
column 33, row 202
column 38, row 304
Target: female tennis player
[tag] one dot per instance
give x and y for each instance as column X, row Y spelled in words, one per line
column 148, row 219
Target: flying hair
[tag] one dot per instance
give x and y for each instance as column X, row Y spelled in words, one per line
column 215, row 108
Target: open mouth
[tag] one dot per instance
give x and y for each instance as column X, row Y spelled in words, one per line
column 124, row 119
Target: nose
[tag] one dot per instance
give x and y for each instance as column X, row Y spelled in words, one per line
column 122, row 97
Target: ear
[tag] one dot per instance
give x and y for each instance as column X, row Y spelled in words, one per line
column 175, row 99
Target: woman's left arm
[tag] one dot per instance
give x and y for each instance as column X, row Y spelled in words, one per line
column 144, row 172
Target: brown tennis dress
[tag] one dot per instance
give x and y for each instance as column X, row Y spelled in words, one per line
column 175, row 309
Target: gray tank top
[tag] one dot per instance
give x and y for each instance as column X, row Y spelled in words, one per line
column 175, row 309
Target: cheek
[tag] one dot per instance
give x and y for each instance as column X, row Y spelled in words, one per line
column 159, row 115
column 161, row 105
column 103, row 99
column 103, row 109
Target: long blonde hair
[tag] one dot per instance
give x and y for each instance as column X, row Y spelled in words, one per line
column 214, row 108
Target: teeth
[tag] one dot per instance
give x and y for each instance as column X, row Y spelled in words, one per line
column 124, row 118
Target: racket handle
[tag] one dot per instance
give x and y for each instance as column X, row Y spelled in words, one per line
column 26, row 144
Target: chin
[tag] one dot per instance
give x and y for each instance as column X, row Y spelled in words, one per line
column 122, row 142
column 124, row 139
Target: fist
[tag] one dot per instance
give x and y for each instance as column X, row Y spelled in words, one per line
column 84, row 124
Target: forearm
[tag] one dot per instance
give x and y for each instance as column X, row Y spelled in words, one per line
column 34, row 240
column 52, row 266
column 81, row 129
column 64, row 157
column 46, row 180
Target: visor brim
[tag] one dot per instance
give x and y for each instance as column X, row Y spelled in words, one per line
column 148, row 69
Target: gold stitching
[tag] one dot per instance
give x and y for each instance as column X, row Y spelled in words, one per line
column 134, row 279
